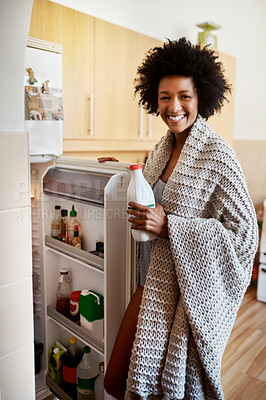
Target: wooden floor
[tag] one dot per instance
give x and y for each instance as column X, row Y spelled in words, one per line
column 244, row 361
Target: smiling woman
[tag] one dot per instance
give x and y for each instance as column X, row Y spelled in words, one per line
column 193, row 276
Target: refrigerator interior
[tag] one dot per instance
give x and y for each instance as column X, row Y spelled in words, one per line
column 98, row 194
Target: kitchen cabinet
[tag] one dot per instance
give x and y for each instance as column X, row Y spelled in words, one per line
column 223, row 123
column 75, row 31
column 100, row 60
column 118, row 52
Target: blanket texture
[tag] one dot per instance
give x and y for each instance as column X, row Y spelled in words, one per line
column 197, row 278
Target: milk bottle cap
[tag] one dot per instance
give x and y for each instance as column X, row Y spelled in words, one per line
column 135, row 166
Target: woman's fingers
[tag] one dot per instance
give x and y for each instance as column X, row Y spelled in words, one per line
column 103, row 159
column 151, row 219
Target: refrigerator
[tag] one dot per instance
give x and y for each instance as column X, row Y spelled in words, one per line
column 98, row 193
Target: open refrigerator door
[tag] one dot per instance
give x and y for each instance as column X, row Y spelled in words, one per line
column 98, row 194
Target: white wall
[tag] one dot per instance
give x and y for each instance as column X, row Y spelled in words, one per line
column 242, row 35
column 16, row 314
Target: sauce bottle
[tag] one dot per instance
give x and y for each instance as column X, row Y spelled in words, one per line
column 55, row 225
column 71, row 225
column 63, row 225
column 63, row 292
column 76, row 241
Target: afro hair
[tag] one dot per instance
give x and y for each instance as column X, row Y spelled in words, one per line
column 182, row 58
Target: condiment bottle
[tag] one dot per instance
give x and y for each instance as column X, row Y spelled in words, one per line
column 71, row 359
column 74, row 307
column 71, row 225
column 63, row 225
column 76, row 241
column 55, row 225
column 140, row 191
column 63, row 292
column 87, row 372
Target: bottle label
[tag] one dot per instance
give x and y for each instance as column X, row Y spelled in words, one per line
column 147, row 205
column 86, row 385
column 69, row 374
column 55, row 232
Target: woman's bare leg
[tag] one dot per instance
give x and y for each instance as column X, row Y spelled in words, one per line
column 117, row 370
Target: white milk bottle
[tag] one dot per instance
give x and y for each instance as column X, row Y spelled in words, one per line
column 140, row 191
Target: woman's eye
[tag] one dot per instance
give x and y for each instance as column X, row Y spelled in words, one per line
column 164, row 98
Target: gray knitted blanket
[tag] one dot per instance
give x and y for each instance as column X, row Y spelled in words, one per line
column 197, row 278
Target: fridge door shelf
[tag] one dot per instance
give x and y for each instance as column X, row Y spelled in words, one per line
column 57, row 389
column 79, row 254
column 77, row 185
column 81, row 333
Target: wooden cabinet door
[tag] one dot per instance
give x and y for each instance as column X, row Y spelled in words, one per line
column 151, row 127
column 118, row 53
column 116, row 110
column 75, row 31
column 223, row 122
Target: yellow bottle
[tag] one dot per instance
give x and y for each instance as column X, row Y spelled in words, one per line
column 55, row 363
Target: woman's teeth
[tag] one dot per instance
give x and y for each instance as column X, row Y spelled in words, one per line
column 176, row 117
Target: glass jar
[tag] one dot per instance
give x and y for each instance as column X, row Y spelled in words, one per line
column 63, row 292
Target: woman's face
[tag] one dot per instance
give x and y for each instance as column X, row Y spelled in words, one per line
column 178, row 103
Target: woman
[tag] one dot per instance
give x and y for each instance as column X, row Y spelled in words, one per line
column 175, row 330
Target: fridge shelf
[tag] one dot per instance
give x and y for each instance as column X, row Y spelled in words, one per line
column 81, row 333
column 78, row 254
column 57, row 389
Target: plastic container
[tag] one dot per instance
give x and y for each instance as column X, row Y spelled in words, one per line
column 91, row 312
column 87, row 372
column 98, row 387
column 55, row 364
column 71, row 358
column 63, row 292
column 56, row 223
column 73, row 220
column 74, row 307
column 140, row 191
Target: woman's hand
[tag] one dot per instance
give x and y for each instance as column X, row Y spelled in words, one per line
column 151, row 219
column 103, row 159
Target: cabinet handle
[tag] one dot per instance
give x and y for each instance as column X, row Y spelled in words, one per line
column 90, row 119
column 141, row 112
column 149, row 125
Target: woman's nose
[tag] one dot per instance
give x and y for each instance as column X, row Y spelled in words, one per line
column 175, row 105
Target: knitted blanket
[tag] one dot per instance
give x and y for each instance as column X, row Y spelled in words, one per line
column 197, row 278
